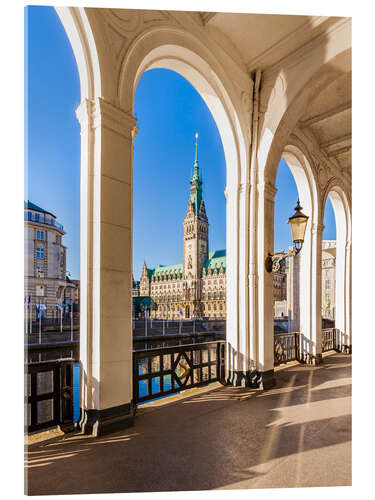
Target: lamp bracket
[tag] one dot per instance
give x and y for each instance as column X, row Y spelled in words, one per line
column 274, row 259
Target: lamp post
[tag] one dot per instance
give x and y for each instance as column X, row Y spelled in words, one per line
column 298, row 223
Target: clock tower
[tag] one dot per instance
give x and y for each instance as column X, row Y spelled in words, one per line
column 195, row 231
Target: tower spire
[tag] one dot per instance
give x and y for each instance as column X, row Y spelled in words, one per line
column 196, row 149
column 196, row 164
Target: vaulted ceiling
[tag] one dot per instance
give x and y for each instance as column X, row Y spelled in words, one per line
column 265, row 40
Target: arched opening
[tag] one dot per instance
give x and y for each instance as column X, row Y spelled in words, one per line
column 175, row 245
column 108, row 129
column 329, row 267
column 176, row 52
column 342, row 266
column 52, row 196
column 301, row 271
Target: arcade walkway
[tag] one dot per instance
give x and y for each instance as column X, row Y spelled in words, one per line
column 296, row 435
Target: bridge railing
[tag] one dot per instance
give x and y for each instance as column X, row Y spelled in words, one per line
column 49, row 395
column 168, row 370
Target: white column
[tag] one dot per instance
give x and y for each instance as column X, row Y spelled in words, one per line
column 241, row 373
column 293, row 294
column 348, row 297
column 106, row 260
column 265, row 340
column 234, row 355
column 315, row 312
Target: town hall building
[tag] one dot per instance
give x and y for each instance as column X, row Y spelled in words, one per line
column 195, row 288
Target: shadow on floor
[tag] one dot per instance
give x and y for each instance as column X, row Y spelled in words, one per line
column 297, row 434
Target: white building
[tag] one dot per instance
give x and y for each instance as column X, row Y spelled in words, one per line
column 45, row 261
column 328, row 278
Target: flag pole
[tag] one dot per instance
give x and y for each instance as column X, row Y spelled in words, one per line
column 145, row 310
column 71, row 321
column 31, row 320
column 163, row 323
column 27, row 319
column 40, row 326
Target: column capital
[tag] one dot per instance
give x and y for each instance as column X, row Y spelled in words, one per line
column 102, row 113
column 244, row 187
column 268, row 189
column 84, row 113
column 116, row 119
column 317, row 228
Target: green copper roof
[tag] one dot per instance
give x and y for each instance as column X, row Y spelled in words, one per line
column 218, row 257
column 175, row 268
column 31, row 206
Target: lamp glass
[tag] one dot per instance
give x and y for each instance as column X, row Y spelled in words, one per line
column 298, row 228
column 298, row 223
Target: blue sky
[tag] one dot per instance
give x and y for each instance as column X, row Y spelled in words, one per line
column 169, row 112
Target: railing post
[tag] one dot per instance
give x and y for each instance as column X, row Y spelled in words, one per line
column 218, row 361
column 296, row 345
column 66, row 396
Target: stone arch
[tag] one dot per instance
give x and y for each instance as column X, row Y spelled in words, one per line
column 179, row 51
column 336, row 192
column 78, row 30
column 306, row 291
column 282, row 115
column 283, row 102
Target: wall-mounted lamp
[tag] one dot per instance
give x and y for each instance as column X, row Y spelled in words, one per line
column 298, row 223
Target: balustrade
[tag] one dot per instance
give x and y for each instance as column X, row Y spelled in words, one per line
column 286, row 347
column 161, row 372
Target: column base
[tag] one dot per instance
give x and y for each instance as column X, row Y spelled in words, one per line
column 101, row 422
column 266, row 380
column 346, row 349
column 312, row 359
column 259, row 380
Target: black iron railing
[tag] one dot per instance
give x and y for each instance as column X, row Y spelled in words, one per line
column 49, row 395
column 164, row 371
column 329, row 339
column 286, row 347
column 42, row 219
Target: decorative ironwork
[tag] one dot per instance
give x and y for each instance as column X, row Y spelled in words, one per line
column 286, row 348
column 165, row 371
column 49, row 395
